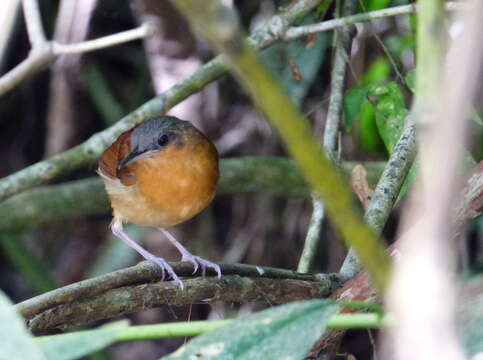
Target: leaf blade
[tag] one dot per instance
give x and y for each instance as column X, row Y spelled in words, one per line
column 17, row 343
column 286, row 331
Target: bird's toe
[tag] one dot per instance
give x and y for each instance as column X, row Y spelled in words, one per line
column 165, row 267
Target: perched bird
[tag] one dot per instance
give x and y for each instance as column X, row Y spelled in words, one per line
column 160, row 173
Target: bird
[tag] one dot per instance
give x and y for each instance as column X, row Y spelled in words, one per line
column 159, row 174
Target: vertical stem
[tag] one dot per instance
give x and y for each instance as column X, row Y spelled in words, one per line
column 426, row 273
column 313, row 236
column 342, row 42
column 386, row 192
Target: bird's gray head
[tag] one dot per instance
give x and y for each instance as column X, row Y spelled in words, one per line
column 154, row 135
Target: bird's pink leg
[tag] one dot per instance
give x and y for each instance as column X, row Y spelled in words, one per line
column 116, row 228
column 187, row 256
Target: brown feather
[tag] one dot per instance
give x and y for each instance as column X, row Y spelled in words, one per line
column 109, row 162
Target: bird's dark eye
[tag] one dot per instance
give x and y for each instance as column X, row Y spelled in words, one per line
column 163, row 140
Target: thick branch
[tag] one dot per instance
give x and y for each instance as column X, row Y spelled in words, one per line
column 471, row 203
column 145, row 272
column 386, row 191
column 126, row 300
column 54, row 203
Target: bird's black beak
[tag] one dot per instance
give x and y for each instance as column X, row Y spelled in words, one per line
column 132, row 156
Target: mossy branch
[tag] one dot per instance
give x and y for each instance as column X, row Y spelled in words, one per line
column 206, row 290
column 136, row 286
column 54, row 203
column 220, row 26
column 386, row 192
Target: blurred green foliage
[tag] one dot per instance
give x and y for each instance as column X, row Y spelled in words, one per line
column 286, row 331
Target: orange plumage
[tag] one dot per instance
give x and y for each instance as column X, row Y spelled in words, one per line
column 160, row 174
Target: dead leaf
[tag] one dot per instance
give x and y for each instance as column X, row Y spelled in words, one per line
column 360, row 185
column 295, row 70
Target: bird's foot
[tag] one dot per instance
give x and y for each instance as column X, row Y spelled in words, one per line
column 199, row 262
column 187, row 256
column 165, row 268
column 116, row 227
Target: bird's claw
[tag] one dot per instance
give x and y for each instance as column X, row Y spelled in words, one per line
column 165, row 267
column 200, row 262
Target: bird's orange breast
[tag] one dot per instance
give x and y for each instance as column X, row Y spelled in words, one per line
column 170, row 186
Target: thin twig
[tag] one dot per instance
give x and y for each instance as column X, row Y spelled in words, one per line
column 342, row 41
column 146, row 272
column 106, row 41
column 312, row 238
column 44, row 53
column 88, row 151
column 295, row 32
column 35, row 62
column 331, row 133
column 33, row 21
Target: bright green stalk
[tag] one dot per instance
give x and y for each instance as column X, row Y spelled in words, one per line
column 194, row 328
column 219, row 25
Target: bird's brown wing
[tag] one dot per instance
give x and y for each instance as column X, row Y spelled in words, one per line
column 109, row 161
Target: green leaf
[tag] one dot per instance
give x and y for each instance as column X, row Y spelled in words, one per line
column 368, row 133
column 411, row 79
column 357, row 108
column 398, row 45
column 352, row 104
column 16, row 342
column 390, row 112
column 286, row 331
column 371, row 5
column 367, row 130
column 379, row 70
column 282, row 58
column 78, row 344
